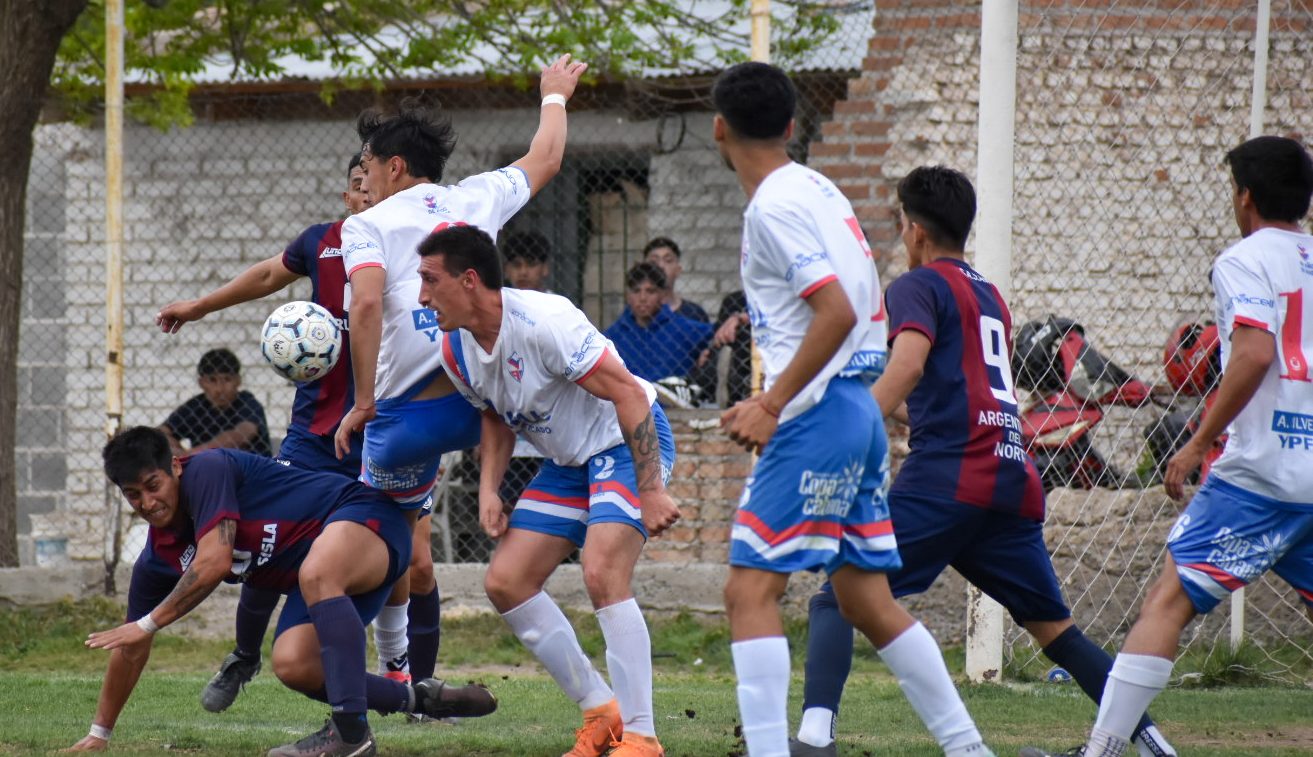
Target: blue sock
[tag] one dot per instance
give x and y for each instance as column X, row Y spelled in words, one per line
column 423, row 633
column 385, row 696
column 342, row 650
column 254, row 608
column 1088, row 665
column 829, row 652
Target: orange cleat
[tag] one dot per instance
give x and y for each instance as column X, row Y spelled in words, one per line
column 602, row 727
column 637, row 745
column 400, row 676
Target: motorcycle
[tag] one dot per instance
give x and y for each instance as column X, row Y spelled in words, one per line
column 1068, row 384
column 1192, row 361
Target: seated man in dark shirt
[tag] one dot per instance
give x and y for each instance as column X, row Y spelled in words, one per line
column 654, row 341
column 222, row 415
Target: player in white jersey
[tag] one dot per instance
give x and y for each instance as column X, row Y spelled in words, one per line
column 406, row 405
column 815, row 499
column 1254, row 512
column 533, row 364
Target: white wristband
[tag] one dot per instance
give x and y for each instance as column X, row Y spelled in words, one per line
column 556, row 99
column 100, row 732
column 147, row 624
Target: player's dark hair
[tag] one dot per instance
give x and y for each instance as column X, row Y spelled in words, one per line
column 421, row 136
column 657, row 243
column 134, row 452
column 529, row 246
column 757, row 100
column 940, row 200
column 1278, row 174
column 463, row 248
column 645, row 272
column 221, row 360
column 352, row 165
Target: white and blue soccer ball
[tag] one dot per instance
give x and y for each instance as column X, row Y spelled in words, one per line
column 301, row 340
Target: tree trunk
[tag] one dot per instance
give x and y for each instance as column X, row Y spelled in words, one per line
column 30, row 33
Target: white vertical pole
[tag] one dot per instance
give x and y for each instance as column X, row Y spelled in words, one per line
column 998, row 97
column 114, row 29
column 1257, row 103
column 759, row 13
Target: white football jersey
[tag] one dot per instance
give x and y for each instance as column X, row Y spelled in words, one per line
column 388, row 234
column 1266, row 281
column 545, row 347
column 799, row 234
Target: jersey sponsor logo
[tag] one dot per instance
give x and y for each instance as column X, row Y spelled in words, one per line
column 830, row 494
column 1246, row 558
column 1246, row 299
column 802, row 261
column 972, row 275
column 359, row 246
column 519, row 315
column 867, row 363
column 426, row 322
column 511, row 178
column 331, row 252
column 1305, row 264
column 188, row 555
column 516, row 364
column 433, row 208
column 532, row 421
column 578, row 357
column 267, row 543
column 1293, row 430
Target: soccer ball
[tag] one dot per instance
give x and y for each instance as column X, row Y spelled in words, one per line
column 301, row 340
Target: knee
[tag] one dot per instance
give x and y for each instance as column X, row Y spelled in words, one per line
column 823, row 601
column 317, row 582
column 421, row 573
column 506, row 591
column 1167, row 599
column 296, row 672
column 605, row 584
column 743, row 596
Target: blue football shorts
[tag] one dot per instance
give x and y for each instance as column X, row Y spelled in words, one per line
column 564, row 500
column 1229, row 536
column 405, row 442
column 816, row 498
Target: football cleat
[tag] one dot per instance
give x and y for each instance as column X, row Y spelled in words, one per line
column 327, row 742
column 235, row 672
column 602, row 727
column 803, row 749
column 637, row 745
column 438, row 699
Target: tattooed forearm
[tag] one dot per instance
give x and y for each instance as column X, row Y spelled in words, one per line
column 227, row 532
column 190, row 591
column 646, row 449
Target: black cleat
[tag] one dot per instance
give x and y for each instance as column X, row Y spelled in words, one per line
column 438, row 699
column 233, row 675
column 327, row 742
column 803, row 749
column 1030, row 751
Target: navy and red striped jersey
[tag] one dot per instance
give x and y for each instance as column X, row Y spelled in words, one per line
column 965, row 434
column 279, row 508
column 317, row 253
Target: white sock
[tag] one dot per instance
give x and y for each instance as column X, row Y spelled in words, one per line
column 817, row 727
column 915, row 659
column 762, row 668
column 1133, row 682
column 541, row 626
column 629, row 661
column 390, row 635
column 1153, row 743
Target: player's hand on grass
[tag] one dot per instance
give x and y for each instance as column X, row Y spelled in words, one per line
column 1186, row 461
column 561, row 77
column 492, row 514
column 125, row 635
column 88, row 743
column 659, row 511
column 352, row 422
column 750, row 423
column 173, row 315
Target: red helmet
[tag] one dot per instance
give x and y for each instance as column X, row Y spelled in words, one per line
column 1192, row 358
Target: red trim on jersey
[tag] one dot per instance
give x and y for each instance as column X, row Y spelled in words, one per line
column 1306, row 594
column 596, row 365
column 209, row 526
column 1217, row 574
column 363, row 265
column 449, row 356
column 331, row 399
column 809, row 291
column 579, row 503
column 917, row 327
column 774, row 538
column 613, row 486
column 1241, row 320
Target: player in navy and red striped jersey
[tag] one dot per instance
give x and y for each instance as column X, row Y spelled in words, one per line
column 225, row 515
column 967, row 495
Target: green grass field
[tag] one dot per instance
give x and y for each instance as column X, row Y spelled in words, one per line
column 49, row 684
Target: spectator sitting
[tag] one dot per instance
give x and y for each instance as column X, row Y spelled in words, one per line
column 666, row 255
column 733, row 330
column 526, row 258
column 654, row 341
column 221, row 415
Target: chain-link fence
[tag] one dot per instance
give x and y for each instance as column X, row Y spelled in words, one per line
column 1124, row 112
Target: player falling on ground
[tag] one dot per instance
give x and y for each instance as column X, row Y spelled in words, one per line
column 533, row 364
column 967, row 495
column 814, row 498
column 412, row 411
column 331, row 544
column 317, row 409
column 1255, row 511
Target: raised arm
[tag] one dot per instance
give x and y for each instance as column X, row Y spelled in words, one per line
column 611, row 381
column 262, row 279
column 543, row 160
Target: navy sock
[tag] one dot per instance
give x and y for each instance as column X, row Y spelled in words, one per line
column 254, row 608
column 423, row 634
column 386, row 695
column 1088, row 665
column 342, row 650
column 829, row 652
